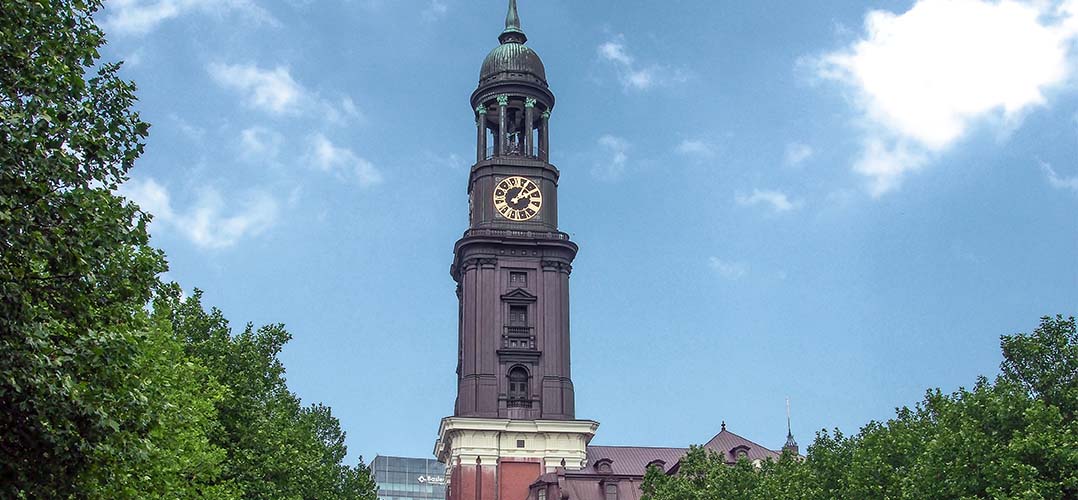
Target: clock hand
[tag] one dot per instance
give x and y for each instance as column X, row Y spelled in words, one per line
column 521, row 194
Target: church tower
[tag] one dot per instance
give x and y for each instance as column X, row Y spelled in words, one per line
column 514, row 417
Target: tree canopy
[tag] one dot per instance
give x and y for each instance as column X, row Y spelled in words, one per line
column 111, row 385
column 1015, row 437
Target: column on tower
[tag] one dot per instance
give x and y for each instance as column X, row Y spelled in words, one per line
column 481, row 140
column 544, row 137
column 503, row 103
column 529, row 126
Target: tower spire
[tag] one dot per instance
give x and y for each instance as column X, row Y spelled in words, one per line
column 789, row 428
column 512, row 33
column 791, row 444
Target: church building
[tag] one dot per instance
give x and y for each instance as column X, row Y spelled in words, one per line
column 514, row 433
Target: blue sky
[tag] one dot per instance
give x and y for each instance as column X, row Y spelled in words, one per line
column 840, row 202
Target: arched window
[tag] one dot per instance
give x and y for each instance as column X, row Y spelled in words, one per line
column 518, row 388
column 611, row 492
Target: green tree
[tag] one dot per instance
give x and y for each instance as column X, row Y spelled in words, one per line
column 276, row 447
column 75, row 264
column 100, row 397
column 1014, row 438
column 704, row 475
column 1045, row 363
column 180, row 460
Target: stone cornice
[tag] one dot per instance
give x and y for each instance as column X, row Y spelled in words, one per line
column 552, row 441
column 507, row 425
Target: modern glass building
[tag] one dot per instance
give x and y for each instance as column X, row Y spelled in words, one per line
column 401, row 478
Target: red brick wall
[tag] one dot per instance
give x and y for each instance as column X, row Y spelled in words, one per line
column 514, row 479
column 490, row 482
column 464, row 484
column 456, row 483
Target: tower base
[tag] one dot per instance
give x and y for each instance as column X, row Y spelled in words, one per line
column 497, row 459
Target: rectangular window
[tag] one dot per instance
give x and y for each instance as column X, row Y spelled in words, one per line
column 518, row 278
column 518, row 315
column 611, row 492
column 542, row 493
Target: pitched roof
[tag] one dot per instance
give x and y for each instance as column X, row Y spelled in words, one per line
column 630, row 460
column 726, row 442
column 591, row 489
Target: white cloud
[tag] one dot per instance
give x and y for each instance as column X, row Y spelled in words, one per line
column 776, row 200
column 728, row 269
column 614, row 158
column 133, row 60
column 699, row 148
column 193, row 132
column 1057, row 181
column 342, row 162
column 449, row 161
column 923, row 78
column 151, row 197
column 797, row 153
column 435, row 10
column 208, row 227
column 631, row 74
column 205, row 224
column 260, row 144
column 885, row 163
column 615, row 51
column 138, row 17
column 275, row 91
column 348, row 108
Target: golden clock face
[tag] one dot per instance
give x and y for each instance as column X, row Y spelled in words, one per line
column 517, row 198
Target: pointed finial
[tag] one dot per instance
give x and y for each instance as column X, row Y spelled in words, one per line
column 512, row 19
column 512, row 33
column 724, row 425
column 791, row 444
column 789, row 429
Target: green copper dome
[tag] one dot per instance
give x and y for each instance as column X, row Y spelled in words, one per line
column 512, row 60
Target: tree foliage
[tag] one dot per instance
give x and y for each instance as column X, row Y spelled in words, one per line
column 277, row 448
column 705, row 475
column 1014, row 438
column 75, row 264
column 111, row 386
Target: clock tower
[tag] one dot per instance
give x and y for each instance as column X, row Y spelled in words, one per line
column 514, row 417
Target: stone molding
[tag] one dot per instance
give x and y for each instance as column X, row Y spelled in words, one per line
column 552, row 442
column 555, row 265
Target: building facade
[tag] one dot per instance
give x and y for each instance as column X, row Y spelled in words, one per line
column 401, row 478
column 514, row 433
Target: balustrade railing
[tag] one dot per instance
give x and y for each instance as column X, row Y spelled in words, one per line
column 518, row 337
column 527, row 412
column 514, row 233
column 519, row 403
column 515, row 150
